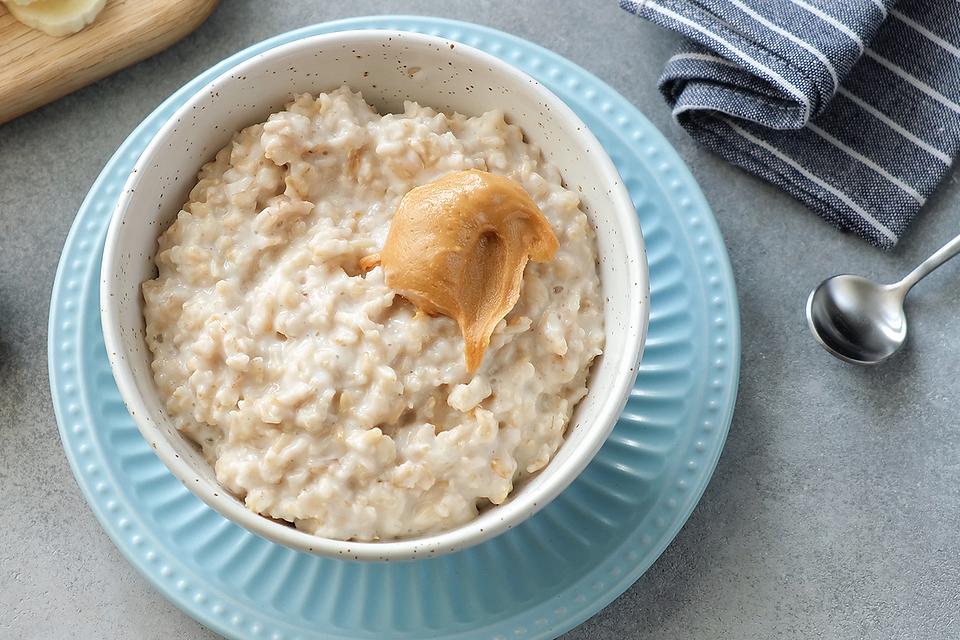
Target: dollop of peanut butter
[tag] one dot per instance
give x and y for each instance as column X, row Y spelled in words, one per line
column 458, row 247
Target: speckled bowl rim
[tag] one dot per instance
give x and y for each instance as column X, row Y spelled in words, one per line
column 554, row 478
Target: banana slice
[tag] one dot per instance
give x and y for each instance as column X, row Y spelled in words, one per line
column 56, row 17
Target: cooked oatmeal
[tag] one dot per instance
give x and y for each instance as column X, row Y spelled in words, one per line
column 320, row 395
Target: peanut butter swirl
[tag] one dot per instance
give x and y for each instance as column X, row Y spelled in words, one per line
column 458, row 246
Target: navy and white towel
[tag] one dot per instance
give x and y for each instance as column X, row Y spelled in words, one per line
column 852, row 106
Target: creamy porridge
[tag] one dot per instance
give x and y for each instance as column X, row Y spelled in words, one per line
column 320, row 395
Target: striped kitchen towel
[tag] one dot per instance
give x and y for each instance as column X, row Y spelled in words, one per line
column 851, row 106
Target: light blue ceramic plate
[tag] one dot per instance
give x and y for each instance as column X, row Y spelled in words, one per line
column 535, row 581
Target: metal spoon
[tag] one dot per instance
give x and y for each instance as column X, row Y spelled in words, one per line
column 862, row 322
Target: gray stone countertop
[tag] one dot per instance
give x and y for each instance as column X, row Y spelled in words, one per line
column 834, row 511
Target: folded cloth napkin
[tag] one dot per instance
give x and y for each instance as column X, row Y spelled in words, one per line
column 851, row 106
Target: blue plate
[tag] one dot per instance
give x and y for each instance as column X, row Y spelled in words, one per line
column 536, row 581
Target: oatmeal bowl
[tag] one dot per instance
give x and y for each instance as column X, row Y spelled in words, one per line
column 374, row 295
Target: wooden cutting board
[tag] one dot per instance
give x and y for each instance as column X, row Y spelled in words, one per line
column 36, row 68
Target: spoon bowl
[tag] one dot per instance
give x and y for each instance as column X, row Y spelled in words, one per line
column 857, row 320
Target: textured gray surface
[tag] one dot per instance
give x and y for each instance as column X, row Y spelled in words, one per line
column 835, row 509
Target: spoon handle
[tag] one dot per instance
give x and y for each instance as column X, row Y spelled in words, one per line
column 942, row 254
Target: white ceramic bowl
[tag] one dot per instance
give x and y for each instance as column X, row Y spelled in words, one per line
column 388, row 67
